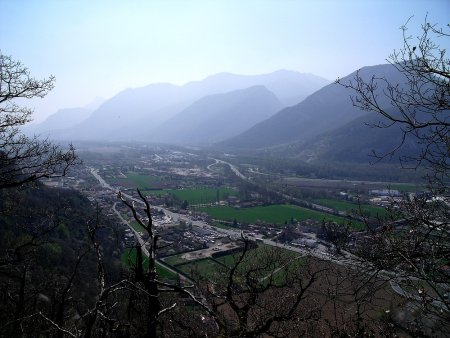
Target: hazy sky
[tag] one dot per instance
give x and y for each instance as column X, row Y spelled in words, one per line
column 98, row 48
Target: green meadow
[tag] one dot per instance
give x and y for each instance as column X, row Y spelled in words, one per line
column 206, row 268
column 195, row 195
column 275, row 214
column 352, row 208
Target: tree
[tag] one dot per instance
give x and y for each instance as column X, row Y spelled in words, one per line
column 414, row 245
column 265, row 291
column 421, row 105
column 147, row 288
column 24, row 159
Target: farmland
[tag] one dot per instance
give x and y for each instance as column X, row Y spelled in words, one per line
column 210, row 268
column 196, row 195
column 207, row 268
column 152, row 185
column 405, row 187
column 142, row 181
column 352, row 208
column 275, row 214
column 134, row 180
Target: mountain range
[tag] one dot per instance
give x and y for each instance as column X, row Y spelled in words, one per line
column 136, row 114
column 326, row 126
column 239, row 113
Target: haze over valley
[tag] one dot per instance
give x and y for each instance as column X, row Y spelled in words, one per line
column 232, row 168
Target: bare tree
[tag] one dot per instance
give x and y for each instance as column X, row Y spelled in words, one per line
column 24, row 159
column 147, row 303
column 265, row 291
column 414, row 244
column 420, row 103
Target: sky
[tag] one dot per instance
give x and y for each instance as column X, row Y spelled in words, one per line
column 98, row 48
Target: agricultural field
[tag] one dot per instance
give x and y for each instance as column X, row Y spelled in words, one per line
column 196, row 195
column 275, row 214
column 405, row 187
column 207, row 268
column 352, row 208
column 144, row 182
column 271, row 258
column 123, row 182
column 151, row 185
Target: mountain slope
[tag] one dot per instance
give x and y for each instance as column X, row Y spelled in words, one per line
column 354, row 142
column 217, row 117
column 327, row 109
column 125, row 109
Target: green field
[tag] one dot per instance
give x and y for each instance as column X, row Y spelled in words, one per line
column 135, row 180
column 352, row 208
column 275, row 214
column 211, row 268
column 206, row 268
column 195, row 195
column 253, row 254
column 405, row 187
column 265, row 261
column 150, row 185
column 142, row 181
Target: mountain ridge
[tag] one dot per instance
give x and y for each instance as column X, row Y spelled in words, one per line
column 136, row 112
column 326, row 109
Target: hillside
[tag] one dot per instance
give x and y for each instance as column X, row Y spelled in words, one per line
column 354, row 142
column 327, row 109
column 217, row 117
column 125, row 109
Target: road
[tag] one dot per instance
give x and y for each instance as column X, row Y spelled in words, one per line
column 232, row 167
column 212, row 164
column 102, row 182
column 136, row 234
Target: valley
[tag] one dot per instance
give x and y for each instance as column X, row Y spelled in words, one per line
column 204, row 202
column 224, row 169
